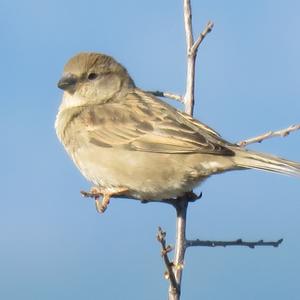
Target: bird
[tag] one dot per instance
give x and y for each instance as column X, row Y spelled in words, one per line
column 129, row 143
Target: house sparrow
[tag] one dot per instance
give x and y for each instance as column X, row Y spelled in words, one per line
column 128, row 142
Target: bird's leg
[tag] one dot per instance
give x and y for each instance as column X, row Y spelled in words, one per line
column 106, row 194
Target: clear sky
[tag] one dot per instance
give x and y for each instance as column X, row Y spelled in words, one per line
column 53, row 244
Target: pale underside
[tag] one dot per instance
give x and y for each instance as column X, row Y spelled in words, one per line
column 147, row 176
column 142, row 144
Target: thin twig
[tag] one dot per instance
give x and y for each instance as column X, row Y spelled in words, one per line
column 167, row 95
column 208, row 28
column 188, row 23
column 161, row 237
column 191, row 59
column 191, row 50
column 270, row 134
column 239, row 242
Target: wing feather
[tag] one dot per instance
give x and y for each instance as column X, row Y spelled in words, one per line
column 141, row 122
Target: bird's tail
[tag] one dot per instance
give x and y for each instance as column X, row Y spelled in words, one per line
column 267, row 162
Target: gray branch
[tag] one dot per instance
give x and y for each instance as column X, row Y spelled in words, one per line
column 238, row 242
column 270, row 134
column 165, row 249
column 181, row 204
column 191, row 51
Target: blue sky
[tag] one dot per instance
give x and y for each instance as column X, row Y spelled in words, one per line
column 53, row 244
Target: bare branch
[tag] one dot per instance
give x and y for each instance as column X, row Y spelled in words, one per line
column 161, row 237
column 191, row 59
column 239, row 242
column 175, row 270
column 188, row 23
column 181, row 211
column 191, row 50
column 208, row 28
column 268, row 135
column 181, row 204
column 167, row 95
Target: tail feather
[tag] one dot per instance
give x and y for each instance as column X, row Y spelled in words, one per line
column 267, row 162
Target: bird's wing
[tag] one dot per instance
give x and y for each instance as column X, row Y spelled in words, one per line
column 144, row 123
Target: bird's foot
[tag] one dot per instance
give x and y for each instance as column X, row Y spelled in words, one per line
column 192, row 197
column 105, row 194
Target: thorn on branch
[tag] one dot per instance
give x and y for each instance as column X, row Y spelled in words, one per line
column 238, row 242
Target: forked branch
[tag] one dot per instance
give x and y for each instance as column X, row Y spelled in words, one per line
column 191, row 50
column 175, row 268
column 188, row 100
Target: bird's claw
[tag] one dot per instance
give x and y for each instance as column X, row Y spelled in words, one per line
column 191, row 196
column 106, row 194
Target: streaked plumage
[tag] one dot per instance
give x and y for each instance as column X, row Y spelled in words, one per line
column 122, row 137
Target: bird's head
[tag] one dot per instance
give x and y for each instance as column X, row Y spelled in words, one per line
column 93, row 77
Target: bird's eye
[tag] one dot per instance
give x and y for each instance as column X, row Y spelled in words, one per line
column 92, row 76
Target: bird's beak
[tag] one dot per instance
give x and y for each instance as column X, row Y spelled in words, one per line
column 68, row 82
